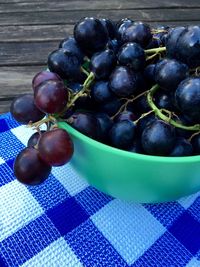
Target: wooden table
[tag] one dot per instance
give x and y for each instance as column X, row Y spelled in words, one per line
column 30, row 29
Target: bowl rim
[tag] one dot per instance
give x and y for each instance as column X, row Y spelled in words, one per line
column 120, row 152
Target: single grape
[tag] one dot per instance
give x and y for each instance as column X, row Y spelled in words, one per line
column 44, row 76
column 169, row 73
column 142, row 104
column 110, row 26
column 33, row 140
column 132, row 55
column 181, row 148
column 29, row 168
column 139, row 33
column 123, row 81
column 56, row 147
column 122, row 25
column 136, row 147
column 24, row 110
column 69, row 44
column 111, row 107
column 90, row 34
column 64, row 63
column 105, row 124
column 51, row 97
column 158, row 138
column 122, row 134
column 86, row 123
column 165, row 100
column 102, row 64
column 196, row 144
column 187, row 98
column 171, row 40
column 149, row 74
column 125, row 115
column 144, row 122
column 114, row 45
column 100, row 92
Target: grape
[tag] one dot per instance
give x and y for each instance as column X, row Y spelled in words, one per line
column 114, row 45
column 196, row 144
column 90, row 34
column 64, row 63
column 69, row 44
column 44, row 76
column 29, row 168
column 101, row 92
column 122, row 25
column 126, row 115
column 75, row 87
column 142, row 104
column 122, row 134
column 149, row 73
column 171, row 41
column 182, row 147
column 169, row 73
column 187, row 98
column 123, row 81
column 56, row 147
column 139, row 32
column 111, row 107
column 110, row 26
column 51, row 97
column 24, row 110
column 136, row 147
column 86, row 123
column 132, row 55
column 164, row 100
column 102, row 63
column 33, row 140
column 144, row 122
column 158, row 138
column 105, row 125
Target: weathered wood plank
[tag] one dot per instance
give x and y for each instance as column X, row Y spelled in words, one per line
column 34, row 33
column 68, row 17
column 18, row 54
column 27, row 6
column 5, row 106
column 17, row 80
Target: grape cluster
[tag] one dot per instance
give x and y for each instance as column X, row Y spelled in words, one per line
column 125, row 84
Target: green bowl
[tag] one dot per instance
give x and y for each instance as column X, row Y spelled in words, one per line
column 131, row 176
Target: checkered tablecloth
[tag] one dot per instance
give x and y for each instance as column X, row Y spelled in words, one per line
column 66, row 222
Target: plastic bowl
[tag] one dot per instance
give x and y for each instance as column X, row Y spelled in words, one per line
column 131, row 176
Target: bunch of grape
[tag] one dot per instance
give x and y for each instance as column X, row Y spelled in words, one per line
column 124, row 84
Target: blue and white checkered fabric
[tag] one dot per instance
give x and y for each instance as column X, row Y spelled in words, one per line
column 65, row 222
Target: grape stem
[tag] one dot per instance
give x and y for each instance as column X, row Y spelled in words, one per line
column 155, row 50
column 163, row 117
column 85, row 71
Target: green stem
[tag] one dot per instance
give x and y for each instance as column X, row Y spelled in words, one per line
column 155, row 50
column 85, row 71
column 163, row 117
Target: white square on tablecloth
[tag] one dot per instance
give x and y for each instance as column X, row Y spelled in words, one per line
column 130, row 228
column 67, row 176
column 17, row 208
column 1, row 161
column 186, row 202
column 193, row 263
column 56, row 254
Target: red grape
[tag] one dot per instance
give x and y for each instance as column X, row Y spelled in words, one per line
column 43, row 76
column 56, row 147
column 51, row 96
column 24, row 110
column 33, row 140
column 29, row 168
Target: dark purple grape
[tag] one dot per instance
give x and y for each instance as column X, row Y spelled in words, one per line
column 101, row 92
column 51, row 97
column 164, row 100
column 169, row 73
column 126, row 115
column 110, row 26
column 44, row 76
column 181, row 148
column 187, row 98
column 111, row 107
column 171, row 40
column 105, row 124
column 132, row 55
column 114, row 45
column 139, row 33
column 123, row 81
column 90, row 34
column 196, row 144
column 29, row 168
column 188, row 47
column 122, row 134
column 136, row 147
column 24, row 110
column 158, row 138
column 64, row 63
column 144, row 122
column 142, row 104
column 33, row 140
column 122, row 25
column 70, row 45
column 86, row 123
column 149, row 74
column 75, row 87
column 184, row 121
column 56, row 147
column 102, row 64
